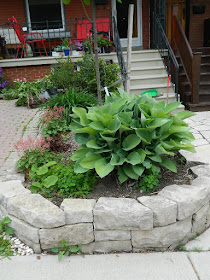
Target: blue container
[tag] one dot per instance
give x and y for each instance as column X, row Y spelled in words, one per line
column 66, row 52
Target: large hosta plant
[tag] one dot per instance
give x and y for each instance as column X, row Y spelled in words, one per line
column 130, row 134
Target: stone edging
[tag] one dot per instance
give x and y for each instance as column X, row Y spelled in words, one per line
column 111, row 224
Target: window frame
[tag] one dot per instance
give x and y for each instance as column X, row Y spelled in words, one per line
column 28, row 17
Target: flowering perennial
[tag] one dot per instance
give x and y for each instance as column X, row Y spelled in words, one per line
column 3, row 83
column 39, row 143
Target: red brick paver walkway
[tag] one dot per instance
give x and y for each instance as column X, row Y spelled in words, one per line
column 13, row 120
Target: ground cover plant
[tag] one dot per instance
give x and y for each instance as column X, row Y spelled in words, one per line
column 5, row 244
column 132, row 135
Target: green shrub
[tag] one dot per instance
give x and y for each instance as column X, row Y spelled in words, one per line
column 5, row 244
column 86, row 76
column 62, row 74
column 70, row 99
column 34, row 156
column 130, row 134
column 60, row 178
column 9, row 94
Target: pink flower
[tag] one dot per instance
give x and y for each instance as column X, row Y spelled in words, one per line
column 24, row 79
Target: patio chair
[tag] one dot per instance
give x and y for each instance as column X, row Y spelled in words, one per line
column 27, row 38
column 84, row 28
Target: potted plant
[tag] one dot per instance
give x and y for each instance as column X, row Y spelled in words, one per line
column 87, row 45
column 57, row 51
column 66, row 47
column 104, row 44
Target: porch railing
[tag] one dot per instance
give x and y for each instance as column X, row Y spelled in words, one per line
column 167, row 54
column 190, row 61
column 53, row 32
column 118, row 50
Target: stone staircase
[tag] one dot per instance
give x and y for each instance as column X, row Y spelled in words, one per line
column 148, row 72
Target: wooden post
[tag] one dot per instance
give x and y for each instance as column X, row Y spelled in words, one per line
column 129, row 47
column 96, row 53
column 196, row 64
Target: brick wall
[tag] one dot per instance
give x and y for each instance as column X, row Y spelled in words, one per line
column 31, row 73
column 146, row 23
column 11, row 8
column 196, row 34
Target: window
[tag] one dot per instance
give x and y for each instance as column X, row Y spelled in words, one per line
column 45, row 14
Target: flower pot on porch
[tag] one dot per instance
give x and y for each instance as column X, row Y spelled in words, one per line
column 107, row 49
column 66, row 52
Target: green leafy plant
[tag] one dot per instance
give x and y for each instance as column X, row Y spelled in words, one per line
column 86, row 76
column 66, row 43
column 66, row 250
column 5, row 244
column 62, row 74
column 129, row 134
column 35, row 156
column 60, row 178
column 70, row 99
column 149, row 183
column 9, row 94
column 53, row 122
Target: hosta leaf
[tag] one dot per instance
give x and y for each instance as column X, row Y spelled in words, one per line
column 178, row 129
column 78, row 168
column 121, row 175
column 171, row 107
column 92, row 144
column 161, row 151
column 157, row 113
column 105, row 150
column 147, row 163
column 87, row 129
column 104, row 118
column 81, row 138
column 74, row 125
column 138, row 169
column 50, row 181
column 144, row 134
column 97, row 125
column 89, row 161
column 128, row 170
column 81, row 152
column 103, row 168
column 157, row 123
column 114, row 125
column 124, row 118
column 156, row 158
column 167, row 163
column 116, row 160
column 184, row 114
column 142, row 153
column 82, row 114
column 42, row 170
column 117, row 105
column 108, row 138
column 134, row 158
column 130, row 142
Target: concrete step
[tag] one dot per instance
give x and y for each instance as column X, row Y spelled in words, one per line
column 143, row 54
column 162, row 88
column 145, row 79
column 149, row 71
column 147, row 62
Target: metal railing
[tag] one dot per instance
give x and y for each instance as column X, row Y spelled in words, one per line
column 118, row 50
column 167, row 54
column 53, row 33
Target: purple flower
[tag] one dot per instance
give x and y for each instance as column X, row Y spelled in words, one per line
column 3, row 85
column 1, row 70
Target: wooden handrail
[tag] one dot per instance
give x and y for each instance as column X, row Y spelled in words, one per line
column 190, row 61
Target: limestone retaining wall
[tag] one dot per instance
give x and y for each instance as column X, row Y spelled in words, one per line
column 110, row 224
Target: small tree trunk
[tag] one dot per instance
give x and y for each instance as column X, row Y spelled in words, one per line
column 96, row 53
